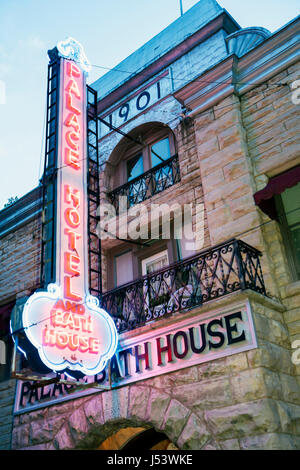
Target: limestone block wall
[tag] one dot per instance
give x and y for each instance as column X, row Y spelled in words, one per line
column 272, row 124
column 7, row 389
column 228, row 180
column 271, row 121
column 241, row 143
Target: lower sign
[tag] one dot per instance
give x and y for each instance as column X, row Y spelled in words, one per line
column 183, row 344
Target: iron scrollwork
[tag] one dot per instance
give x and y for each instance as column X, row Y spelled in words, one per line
column 189, row 283
column 152, row 182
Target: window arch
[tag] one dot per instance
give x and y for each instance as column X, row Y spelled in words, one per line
column 158, row 145
column 132, row 438
column 144, row 163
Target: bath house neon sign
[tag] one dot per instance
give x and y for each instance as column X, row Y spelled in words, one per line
column 65, row 323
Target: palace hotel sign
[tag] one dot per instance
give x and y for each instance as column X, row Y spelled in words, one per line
column 65, row 323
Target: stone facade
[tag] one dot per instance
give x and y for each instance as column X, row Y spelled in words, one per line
column 229, row 143
column 248, row 400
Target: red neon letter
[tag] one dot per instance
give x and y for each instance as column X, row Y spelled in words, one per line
column 67, row 291
column 72, row 159
column 73, row 70
column 69, row 105
column 73, row 345
column 72, row 237
column 72, row 196
column 94, row 345
column 72, row 121
column 71, row 264
column 72, row 87
column 61, row 340
column 72, row 136
column 72, row 217
column 84, row 343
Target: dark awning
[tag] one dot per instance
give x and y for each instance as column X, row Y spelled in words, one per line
column 264, row 198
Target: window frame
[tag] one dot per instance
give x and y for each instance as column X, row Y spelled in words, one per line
column 140, row 154
column 121, row 174
column 287, row 239
column 115, row 268
column 152, row 258
column 138, row 254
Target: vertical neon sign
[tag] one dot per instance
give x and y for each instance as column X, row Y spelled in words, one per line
column 65, row 323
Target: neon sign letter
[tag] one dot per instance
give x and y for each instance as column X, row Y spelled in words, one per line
column 65, row 323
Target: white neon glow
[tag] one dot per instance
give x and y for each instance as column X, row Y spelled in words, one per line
column 72, row 49
column 37, row 317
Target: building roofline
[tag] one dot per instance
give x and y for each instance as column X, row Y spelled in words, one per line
column 221, row 21
column 21, row 211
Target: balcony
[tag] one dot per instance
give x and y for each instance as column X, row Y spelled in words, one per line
column 151, row 182
column 216, row 272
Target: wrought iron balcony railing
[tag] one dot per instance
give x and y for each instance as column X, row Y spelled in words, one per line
column 216, row 272
column 151, row 182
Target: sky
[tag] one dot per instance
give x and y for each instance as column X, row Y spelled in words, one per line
column 109, row 31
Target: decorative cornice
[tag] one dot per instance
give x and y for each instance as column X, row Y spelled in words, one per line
column 242, row 41
column 239, row 75
column 269, row 58
column 210, row 87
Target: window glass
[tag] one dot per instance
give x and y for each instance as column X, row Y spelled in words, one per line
column 123, row 268
column 185, row 241
column 135, row 167
column 138, row 189
column 156, row 292
column 291, row 204
column 155, row 263
column 161, row 148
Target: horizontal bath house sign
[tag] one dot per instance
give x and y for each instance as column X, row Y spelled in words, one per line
column 192, row 341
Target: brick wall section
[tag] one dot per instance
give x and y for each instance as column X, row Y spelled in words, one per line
column 20, row 261
column 20, row 271
column 7, row 389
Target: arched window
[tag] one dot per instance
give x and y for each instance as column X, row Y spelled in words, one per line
column 142, row 170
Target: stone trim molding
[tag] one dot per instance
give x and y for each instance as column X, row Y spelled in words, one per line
column 239, row 76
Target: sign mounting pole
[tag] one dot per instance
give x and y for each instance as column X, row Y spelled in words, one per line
column 181, row 8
